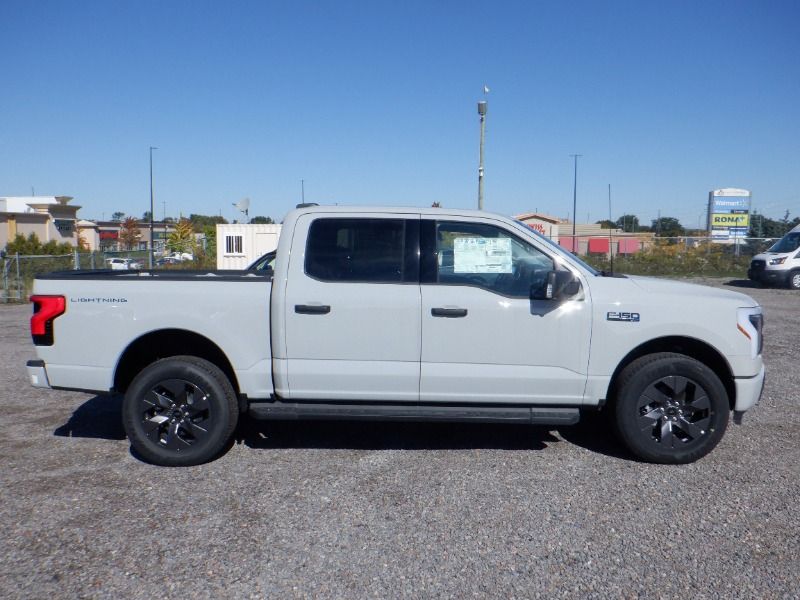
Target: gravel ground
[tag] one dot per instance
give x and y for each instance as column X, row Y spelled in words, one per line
column 349, row 510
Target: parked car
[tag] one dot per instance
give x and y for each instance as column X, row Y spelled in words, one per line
column 780, row 264
column 122, row 264
column 166, row 260
column 265, row 262
column 407, row 314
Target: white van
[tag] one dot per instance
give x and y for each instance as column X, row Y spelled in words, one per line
column 780, row 264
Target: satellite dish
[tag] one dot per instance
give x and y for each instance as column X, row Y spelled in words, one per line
column 243, row 205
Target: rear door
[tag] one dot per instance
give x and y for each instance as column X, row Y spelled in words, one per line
column 353, row 308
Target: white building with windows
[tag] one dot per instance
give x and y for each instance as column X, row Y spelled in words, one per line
column 239, row 244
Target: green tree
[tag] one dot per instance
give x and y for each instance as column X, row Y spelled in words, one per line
column 261, row 221
column 628, row 223
column 146, row 216
column 206, row 256
column 200, row 221
column 129, row 233
column 182, row 239
column 761, row 226
column 32, row 246
column 606, row 224
column 668, row 227
column 118, row 216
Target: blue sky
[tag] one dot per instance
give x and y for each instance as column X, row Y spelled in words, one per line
column 374, row 103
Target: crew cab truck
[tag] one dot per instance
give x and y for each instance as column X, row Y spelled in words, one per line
column 402, row 313
column 780, row 264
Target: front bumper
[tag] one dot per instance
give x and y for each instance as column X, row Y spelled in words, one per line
column 37, row 374
column 748, row 390
column 767, row 276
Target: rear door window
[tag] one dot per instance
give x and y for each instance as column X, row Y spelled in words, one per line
column 356, row 250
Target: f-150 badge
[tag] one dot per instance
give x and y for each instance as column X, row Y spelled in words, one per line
column 623, row 316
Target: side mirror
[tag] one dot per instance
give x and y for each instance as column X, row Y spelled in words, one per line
column 555, row 285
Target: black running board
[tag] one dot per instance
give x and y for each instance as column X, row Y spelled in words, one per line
column 286, row 411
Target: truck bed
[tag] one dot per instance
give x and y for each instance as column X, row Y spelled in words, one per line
column 105, row 318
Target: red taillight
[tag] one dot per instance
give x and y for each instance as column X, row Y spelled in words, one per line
column 45, row 310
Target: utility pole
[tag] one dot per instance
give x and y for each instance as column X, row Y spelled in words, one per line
column 610, row 239
column 150, row 253
column 482, row 108
column 303, row 191
column 575, row 200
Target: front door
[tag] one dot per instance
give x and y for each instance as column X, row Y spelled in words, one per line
column 483, row 338
column 353, row 308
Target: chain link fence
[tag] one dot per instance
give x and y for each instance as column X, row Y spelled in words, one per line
column 19, row 271
column 657, row 256
column 669, row 257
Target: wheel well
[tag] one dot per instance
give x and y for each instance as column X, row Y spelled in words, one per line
column 690, row 347
column 156, row 345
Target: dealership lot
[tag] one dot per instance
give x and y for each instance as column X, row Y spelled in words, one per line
column 397, row 510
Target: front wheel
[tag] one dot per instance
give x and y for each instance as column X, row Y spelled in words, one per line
column 670, row 408
column 794, row 280
column 180, row 411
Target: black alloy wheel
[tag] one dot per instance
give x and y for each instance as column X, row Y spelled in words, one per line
column 175, row 414
column 180, row 411
column 674, row 410
column 670, row 408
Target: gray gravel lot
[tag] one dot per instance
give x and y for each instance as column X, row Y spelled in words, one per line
column 349, row 510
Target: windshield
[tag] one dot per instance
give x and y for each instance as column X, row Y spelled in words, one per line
column 556, row 247
column 788, row 243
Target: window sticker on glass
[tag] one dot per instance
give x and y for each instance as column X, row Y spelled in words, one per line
column 481, row 255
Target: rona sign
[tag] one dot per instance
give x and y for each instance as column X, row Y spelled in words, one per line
column 728, row 214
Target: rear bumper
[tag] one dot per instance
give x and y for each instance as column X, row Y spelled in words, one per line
column 748, row 391
column 37, row 374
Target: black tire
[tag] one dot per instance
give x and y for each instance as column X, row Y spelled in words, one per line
column 670, row 409
column 180, row 411
column 794, row 280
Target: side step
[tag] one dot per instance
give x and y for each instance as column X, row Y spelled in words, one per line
column 535, row 415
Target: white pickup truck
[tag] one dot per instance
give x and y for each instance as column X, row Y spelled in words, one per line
column 402, row 313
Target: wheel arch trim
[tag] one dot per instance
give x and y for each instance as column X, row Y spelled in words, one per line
column 164, row 343
column 688, row 346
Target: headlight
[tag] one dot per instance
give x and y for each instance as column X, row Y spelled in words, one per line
column 777, row 261
column 750, row 321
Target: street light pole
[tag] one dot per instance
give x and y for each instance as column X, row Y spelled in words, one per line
column 482, row 106
column 575, row 201
column 150, row 254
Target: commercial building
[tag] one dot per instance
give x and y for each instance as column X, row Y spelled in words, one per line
column 51, row 218
column 589, row 238
column 105, row 235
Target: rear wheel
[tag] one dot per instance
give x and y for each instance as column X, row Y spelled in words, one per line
column 180, row 411
column 670, row 408
column 794, row 280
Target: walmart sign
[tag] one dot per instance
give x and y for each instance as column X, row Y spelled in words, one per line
column 729, row 214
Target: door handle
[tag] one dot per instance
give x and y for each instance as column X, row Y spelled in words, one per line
column 312, row 309
column 452, row 313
